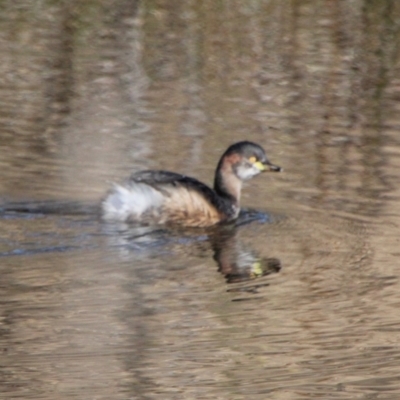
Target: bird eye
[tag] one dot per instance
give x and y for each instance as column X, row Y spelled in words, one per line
column 252, row 159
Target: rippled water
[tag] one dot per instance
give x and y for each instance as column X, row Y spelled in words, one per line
column 298, row 299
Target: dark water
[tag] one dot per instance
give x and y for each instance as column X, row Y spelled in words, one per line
column 299, row 299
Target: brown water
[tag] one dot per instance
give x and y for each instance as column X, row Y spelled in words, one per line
column 90, row 91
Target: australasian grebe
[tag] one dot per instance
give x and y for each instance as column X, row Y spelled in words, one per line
column 158, row 197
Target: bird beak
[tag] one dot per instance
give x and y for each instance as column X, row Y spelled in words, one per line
column 274, row 168
column 267, row 166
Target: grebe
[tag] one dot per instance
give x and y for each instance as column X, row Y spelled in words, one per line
column 160, row 197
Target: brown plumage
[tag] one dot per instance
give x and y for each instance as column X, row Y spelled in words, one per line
column 159, row 197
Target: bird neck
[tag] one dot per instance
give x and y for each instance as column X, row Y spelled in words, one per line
column 226, row 184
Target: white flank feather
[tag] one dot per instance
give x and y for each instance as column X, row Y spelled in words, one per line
column 130, row 202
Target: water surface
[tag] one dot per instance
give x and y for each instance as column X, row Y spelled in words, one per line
column 300, row 302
